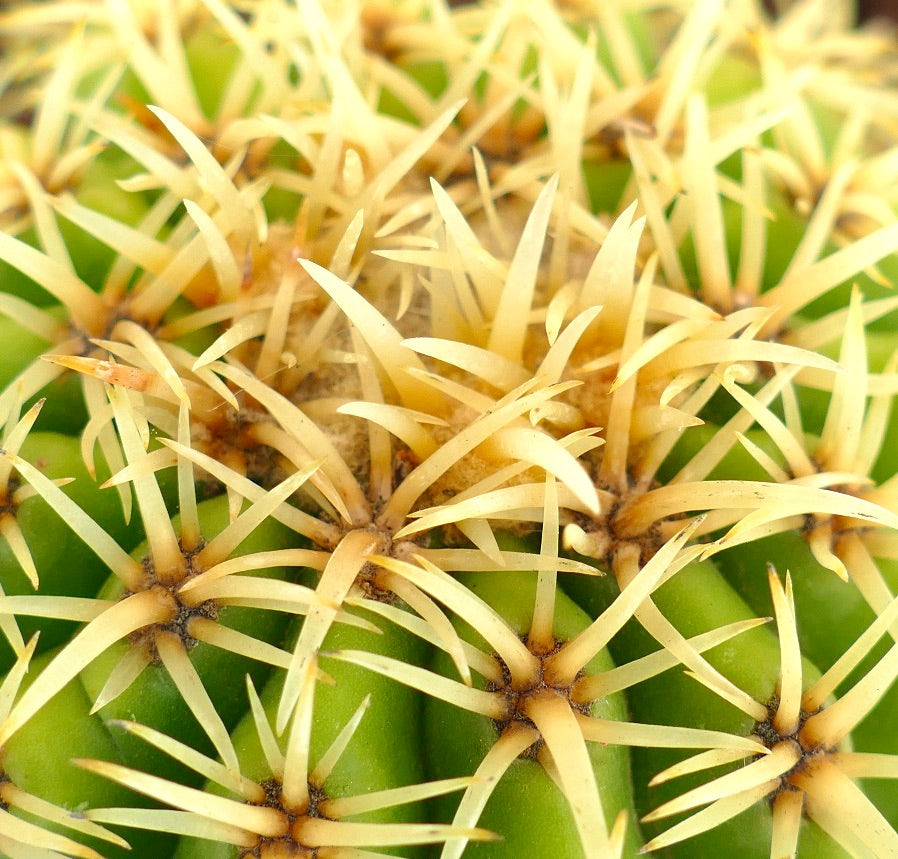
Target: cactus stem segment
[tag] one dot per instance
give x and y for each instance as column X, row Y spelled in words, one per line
column 803, row 750
column 288, row 813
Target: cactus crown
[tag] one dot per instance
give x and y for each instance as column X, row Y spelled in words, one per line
column 487, row 357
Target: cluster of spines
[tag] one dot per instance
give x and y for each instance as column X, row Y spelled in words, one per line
column 443, row 344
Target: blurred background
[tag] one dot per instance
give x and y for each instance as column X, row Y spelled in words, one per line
column 867, row 9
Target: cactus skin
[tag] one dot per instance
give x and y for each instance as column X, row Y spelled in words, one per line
column 526, row 370
column 457, row 742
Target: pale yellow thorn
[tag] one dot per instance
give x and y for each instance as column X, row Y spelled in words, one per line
column 295, row 783
column 538, row 448
column 487, row 666
column 227, row 272
column 866, row 764
column 14, row 796
column 490, row 704
column 619, row 733
column 261, row 820
column 492, row 367
column 49, row 605
column 140, row 248
column 844, row 811
column 380, row 335
column 334, row 752
column 817, row 694
column 509, row 322
column 831, row 724
column 220, row 547
column 198, row 762
column 820, row 542
column 711, row 817
column 116, row 623
column 309, row 526
column 505, row 412
column 623, row 426
column 564, row 665
column 497, row 504
column 786, row 718
column 164, row 548
column 13, row 680
column 293, row 445
column 801, row 287
column 793, row 448
column 557, row 724
column 10, row 530
column 115, row 374
column 540, row 638
column 433, row 615
column 403, row 423
column 514, row 740
column 788, row 811
column 768, row 501
column 313, row 438
column 132, row 664
column 840, row 440
column 185, row 823
column 271, row 749
column 591, row 687
column 521, row 663
column 321, row 832
column 243, row 329
column 147, row 348
column 212, row 176
column 85, row 307
column 336, row 580
column 702, row 197
column 199, row 588
column 340, row 807
column 23, row 833
column 187, row 680
column 618, row 835
column 755, row 775
column 698, row 763
column 16, row 433
column 218, row 635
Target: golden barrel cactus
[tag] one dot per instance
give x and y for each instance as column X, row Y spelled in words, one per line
column 445, row 432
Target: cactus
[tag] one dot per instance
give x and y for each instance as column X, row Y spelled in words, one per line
column 443, row 432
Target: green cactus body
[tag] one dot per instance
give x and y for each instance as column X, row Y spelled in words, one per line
column 458, row 741
column 695, row 600
column 383, row 751
column 153, row 698
column 65, row 564
column 43, row 768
